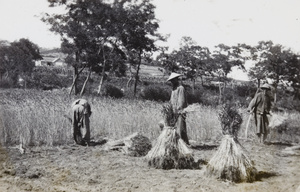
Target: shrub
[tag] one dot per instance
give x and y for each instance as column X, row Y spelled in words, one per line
column 112, row 91
column 245, row 90
column 48, row 78
column 194, row 97
column 7, row 83
column 210, row 99
column 156, row 93
column 211, row 87
column 288, row 103
column 45, row 81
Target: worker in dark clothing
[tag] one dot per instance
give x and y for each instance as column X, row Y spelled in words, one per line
column 81, row 112
column 260, row 107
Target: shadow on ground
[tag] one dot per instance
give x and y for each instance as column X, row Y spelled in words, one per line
column 204, row 147
column 264, row 175
column 96, row 143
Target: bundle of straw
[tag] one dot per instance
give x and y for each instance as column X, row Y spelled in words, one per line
column 231, row 161
column 170, row 151
column 135, row 145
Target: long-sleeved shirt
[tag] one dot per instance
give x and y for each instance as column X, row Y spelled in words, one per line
column 178, row 99
column 260, row 104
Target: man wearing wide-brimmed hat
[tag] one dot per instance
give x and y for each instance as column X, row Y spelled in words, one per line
column 260, row 106
column 179, row 102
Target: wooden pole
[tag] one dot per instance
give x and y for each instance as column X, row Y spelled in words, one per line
column 247, row 125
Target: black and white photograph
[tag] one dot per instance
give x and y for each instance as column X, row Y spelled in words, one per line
column 150, row 95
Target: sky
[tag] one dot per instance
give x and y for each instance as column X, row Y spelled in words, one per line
column 207, row 22
column 211, row 22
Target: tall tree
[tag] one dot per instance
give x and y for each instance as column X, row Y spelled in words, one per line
column 191, row 60
column 139, row 32
column 109, row 28
column 273, row 62
column 194, row 59
column 224, row 59
column 167, row 60
column 72, row 29
column 86, row 29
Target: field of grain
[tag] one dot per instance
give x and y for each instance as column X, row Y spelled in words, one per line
column 52, row 162
column 37, row 118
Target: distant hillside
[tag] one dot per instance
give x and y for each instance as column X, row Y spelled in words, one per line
column 150, row 71
column 49, row 51
column 145, row 70
column 55, row 53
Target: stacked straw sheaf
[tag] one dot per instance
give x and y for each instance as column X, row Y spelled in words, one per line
column 231, row 161
column 170, row 151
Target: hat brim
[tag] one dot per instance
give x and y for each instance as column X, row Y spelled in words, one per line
column 174, row 77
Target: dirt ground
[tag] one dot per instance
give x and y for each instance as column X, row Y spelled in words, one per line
column 79, row 168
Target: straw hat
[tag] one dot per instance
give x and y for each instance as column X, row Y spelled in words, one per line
column 173, row 76
column 265, row 86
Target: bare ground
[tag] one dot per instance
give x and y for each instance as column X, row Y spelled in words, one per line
column 78, row 168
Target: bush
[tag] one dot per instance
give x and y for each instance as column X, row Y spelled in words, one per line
column 7, row 83
column 195, row 97
column 112, row 91
column 245, row 90
column 45, row 81
column 288, row 103
column 205, row 95
column 209, row 99
column 156, row 93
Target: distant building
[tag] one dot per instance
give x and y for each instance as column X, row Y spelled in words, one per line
column 51, row 61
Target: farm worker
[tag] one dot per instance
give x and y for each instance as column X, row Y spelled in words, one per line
column 260, row 107
column 81, row 112
column 179, row 102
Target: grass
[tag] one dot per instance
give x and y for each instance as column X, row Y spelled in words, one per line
column 37, row 118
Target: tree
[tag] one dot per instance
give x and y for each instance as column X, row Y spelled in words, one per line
column 273, row 62
column 191, row 60
column 86, row 29
column 186, row 57
column 139, row 32
column 167, row 60
column 111, row 30
column 71, row 27
column 293, row 75
column 224, row 59
column 17, row 59
column 194, row 60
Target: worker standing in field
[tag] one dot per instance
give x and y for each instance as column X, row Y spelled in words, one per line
column 179, row 102
column 260, row 107
column 81, row 112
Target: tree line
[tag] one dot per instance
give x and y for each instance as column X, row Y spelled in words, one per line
column 270, row 61
column 117, row 36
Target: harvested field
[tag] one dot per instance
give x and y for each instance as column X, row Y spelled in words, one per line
column 52, row 162
column 77, row 168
